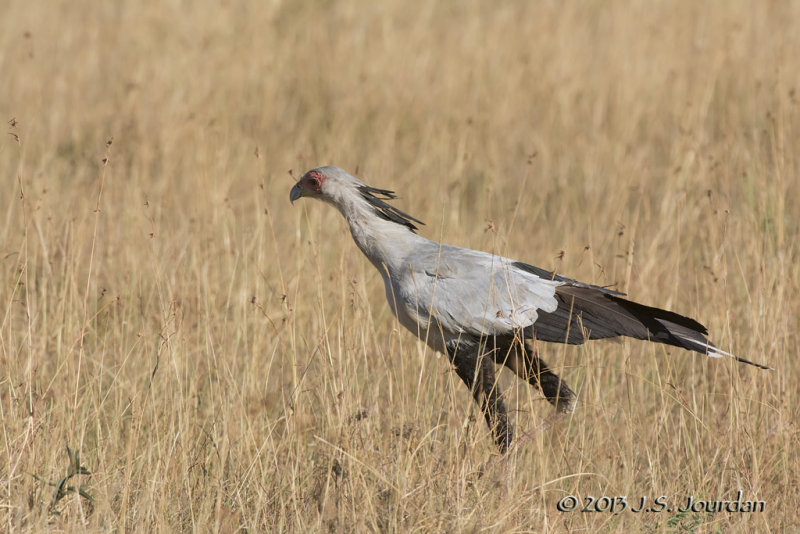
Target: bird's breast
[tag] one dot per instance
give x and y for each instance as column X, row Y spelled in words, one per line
column 407, row 301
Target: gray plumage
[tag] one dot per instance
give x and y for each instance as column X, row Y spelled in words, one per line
column 480, row 308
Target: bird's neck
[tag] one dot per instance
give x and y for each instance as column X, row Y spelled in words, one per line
column 385, row 243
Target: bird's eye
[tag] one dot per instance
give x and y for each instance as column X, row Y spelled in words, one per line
column 314, row 183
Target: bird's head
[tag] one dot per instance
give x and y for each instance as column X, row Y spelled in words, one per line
column 324, row 183
column 349, row 194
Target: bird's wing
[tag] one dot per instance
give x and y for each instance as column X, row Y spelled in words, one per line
column 468, row 292
column 471, row 293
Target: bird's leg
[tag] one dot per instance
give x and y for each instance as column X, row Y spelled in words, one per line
column 477, row 372
column 524, row 360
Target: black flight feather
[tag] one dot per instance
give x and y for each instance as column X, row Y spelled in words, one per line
column 592, row 313
column 548, row 275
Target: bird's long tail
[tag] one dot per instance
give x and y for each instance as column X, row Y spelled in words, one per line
column 591, row 313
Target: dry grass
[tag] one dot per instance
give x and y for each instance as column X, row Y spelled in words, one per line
column 223, row 361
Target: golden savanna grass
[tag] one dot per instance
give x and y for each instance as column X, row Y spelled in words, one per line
column 218, row 360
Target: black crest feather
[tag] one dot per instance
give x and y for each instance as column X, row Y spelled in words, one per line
column 376, row 197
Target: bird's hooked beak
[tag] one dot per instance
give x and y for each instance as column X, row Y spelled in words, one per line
column 295, row 193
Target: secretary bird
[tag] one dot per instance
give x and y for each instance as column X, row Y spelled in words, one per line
column 480, row 309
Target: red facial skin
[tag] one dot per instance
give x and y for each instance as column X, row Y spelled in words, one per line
column 313, row 182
